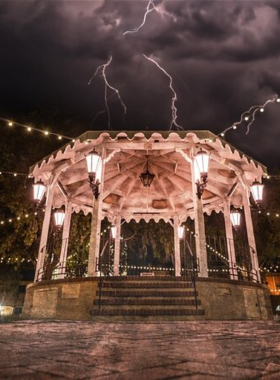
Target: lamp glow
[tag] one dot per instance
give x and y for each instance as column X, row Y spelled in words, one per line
column 94, row 166
column 38, row 191
column 257, row 191
column 235, row 218
column 181, row 232
column 114, row 232
column 59, row 216
column 201, row 163
column 93, row 160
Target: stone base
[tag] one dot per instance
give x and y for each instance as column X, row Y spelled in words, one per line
column 73, row 299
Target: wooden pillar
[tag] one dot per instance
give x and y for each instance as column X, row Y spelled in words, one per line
column 177, row 256
column 230, row 242
column 94, row 239
column 117, row 247
column 65, row 239
column 250, row 234
column 95, row 236
column 44, row 233
column 200, row 241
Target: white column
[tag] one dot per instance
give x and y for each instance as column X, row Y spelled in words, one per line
column 65, row 239
column 94, row 247
column 177, row 256
column 230, row 241
column 250, row 233
column 117, row 247
column 94, row 239
column 200, row 240
column 44, row 233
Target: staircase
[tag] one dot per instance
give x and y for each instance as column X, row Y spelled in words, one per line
column 154, row 297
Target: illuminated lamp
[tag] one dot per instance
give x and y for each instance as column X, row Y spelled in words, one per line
column 257, row 191
column 201, row 164
column 181, row 232
column 114, row 232
column 94, row 167
column 59, row 216
column 39, row 189
column 235, row 218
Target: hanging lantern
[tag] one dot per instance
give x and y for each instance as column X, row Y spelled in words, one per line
column 181, row 232
column 257, row 191
column 38, row 191
column 235, row 218
column 114, row 232
column 94, row 166
column 200, row 165
column 201, row 161
column 147, row 177
column 59, row 216
column 93, row 161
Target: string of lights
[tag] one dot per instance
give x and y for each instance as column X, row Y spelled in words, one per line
column 248, row 117
column 30, row 129
column 8, row 221
column 14, row 174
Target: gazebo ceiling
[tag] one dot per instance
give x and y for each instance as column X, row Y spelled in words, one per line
column 126, row 155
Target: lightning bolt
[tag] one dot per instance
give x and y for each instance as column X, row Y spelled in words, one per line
column 174, row 98
column 107, row 85
column 250, row 115
column 150, row 7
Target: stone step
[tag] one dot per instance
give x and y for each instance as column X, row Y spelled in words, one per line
column 145, row 318
column 147, row 311
column 146, row 284
column 147, row 301
column 119, row 292
column 147, row 278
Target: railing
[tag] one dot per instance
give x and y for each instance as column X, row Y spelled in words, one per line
column 59, row 271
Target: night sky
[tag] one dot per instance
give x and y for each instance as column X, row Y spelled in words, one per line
column 223, row 57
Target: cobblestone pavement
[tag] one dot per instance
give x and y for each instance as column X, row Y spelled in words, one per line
column 174, row 350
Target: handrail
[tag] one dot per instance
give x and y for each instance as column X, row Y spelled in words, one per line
column 193, row 276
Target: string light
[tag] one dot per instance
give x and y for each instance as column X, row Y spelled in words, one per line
column 250, row 116
column 15, row 174
column 6, row 221
column 29, row 129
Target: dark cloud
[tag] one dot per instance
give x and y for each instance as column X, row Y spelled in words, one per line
column 223, row 57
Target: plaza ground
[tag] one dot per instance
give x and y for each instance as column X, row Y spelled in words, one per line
column 132, row 350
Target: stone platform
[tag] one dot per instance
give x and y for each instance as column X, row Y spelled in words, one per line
column 158, row 298
column 47, row 350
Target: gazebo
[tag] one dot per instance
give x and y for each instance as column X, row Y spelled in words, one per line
column 150, row 175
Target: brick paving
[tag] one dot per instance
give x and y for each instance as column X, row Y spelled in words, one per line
column 173, row 350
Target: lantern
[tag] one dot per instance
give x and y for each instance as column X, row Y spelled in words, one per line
column 147, row 177
column 93, row 161
column 201, row 161
column 38, row 191
column 235, row 218
column 181, row 232
column 257, row 191
column 59, row 216
column 114, row 232
column 94, row 166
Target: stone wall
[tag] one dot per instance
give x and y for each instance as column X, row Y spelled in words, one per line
column 229, row 300
column 60, row 299
column 221, row 299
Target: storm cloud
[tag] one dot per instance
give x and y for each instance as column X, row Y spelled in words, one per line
column 223, row 57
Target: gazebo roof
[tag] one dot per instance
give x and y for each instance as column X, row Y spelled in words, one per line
column 126, row 154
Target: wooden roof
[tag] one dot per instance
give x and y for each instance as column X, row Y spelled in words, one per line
column 126, row 154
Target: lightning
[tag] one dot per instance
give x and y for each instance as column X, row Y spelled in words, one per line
column 108, row 86
column 174, row 98
column 150, row 8
column 248, row 117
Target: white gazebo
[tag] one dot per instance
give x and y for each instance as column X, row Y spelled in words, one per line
column 174, row 194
